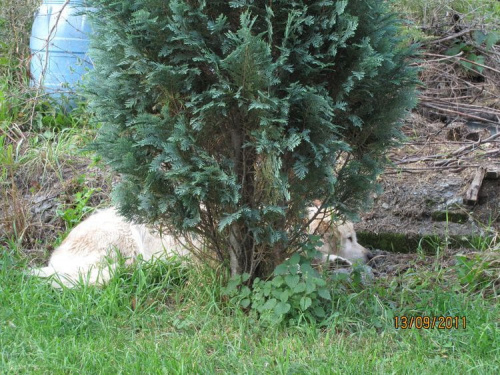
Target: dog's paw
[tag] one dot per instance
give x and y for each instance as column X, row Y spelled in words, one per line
column 334, row 262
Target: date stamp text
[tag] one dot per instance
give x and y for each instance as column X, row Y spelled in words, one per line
column 430, row 322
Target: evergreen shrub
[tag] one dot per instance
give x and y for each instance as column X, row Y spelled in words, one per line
column 227, row 118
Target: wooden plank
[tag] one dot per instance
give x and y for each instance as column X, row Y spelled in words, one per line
column 472, row 194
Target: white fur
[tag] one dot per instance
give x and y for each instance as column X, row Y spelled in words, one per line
column 339, row 240
column 88, row 250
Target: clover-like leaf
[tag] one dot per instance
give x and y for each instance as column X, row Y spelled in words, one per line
column 305, row 303
column 282, row 308
column 324, row 293
column 292, row 280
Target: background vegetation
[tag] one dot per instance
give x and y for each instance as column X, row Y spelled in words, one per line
column 173, row 318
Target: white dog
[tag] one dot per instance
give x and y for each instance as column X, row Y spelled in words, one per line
column 91, row 244
column 339, row 239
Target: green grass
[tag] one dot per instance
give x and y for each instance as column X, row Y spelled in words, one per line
column 169, row 318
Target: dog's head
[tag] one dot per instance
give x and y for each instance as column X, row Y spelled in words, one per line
column 338, row 238
column 349, row 247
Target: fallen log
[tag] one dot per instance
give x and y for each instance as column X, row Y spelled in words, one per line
column 472, row 194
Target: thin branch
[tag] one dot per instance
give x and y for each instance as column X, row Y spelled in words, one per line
column 426, row 104
column 453, row 36
column 427, row 169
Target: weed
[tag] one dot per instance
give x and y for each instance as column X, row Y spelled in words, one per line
column 15, row 214
column 296, row 292
column 74, row 213
column 479, row 272
column 472, row 59
column 430, row 13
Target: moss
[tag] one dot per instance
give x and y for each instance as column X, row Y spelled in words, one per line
column 409, row 243
column 395, row 242
column 451, row 216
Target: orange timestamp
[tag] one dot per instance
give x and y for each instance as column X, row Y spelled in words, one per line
column 430, row 322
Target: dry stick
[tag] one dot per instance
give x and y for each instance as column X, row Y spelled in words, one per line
column 419, row 143
column 459, row 152
column 490, row 153
column 445, row 162
column 44, row 69
column 446, row 100
column 425, row 104
column 427, row 169
column 453, row 36
column 49, row 38
column 487, row 52
column 478, row 143
column 458, row 56
column 423, row 158
column 439, row 68
column 478, row 64
column 471, row 85
column 7, row 134
column 471, row 107
column 441, row 58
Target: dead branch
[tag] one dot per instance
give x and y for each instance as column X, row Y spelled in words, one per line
column 459, row 113
column 461, row 150
column 449, row 37
column 458, row 168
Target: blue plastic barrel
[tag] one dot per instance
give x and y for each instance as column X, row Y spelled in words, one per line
column 59, row 43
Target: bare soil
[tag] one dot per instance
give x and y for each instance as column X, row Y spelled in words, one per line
column 424, row 188
column 421, row 205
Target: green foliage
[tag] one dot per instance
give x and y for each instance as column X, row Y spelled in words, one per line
column 16, row 18
column 249, row 109
column 430, row 13
column 471, row 51
column 467, row 271
column 50, row 118
column 7, row 160
column 296, row 291
column 169, row 318
column 22, row 106
column 73, row 214
column 140, row 286
column 479, row 272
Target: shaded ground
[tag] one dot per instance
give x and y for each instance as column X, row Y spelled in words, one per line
column 423, row 192
column 421, row 205
column 36, row 211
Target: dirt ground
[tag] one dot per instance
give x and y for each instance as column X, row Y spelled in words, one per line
column 453, row 132
column 422, row 197
column 424, row 189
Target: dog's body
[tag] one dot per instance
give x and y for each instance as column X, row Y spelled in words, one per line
column 94, row 242
column 91, row 244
